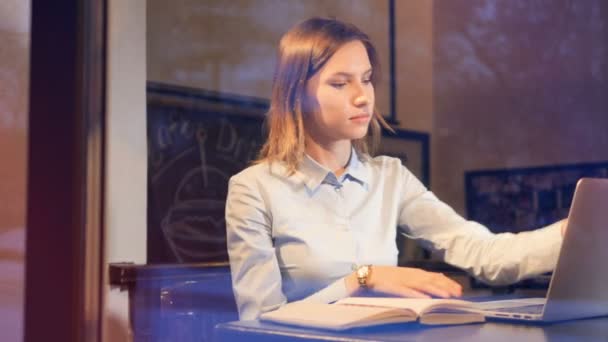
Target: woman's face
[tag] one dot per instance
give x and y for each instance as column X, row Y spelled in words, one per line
column 339, row 99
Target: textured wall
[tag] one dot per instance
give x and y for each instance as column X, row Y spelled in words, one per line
column 231, row 46
column 517, row 83
column 414, row 64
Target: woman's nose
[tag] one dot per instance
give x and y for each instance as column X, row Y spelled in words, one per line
column 361, row 97
column 361, row 100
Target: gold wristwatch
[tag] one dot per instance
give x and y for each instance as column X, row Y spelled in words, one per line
column 363, row 274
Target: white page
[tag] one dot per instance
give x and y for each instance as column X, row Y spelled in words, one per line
column 418, row 305
column 324, row 315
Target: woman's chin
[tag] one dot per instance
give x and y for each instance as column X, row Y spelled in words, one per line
column 359, row 133
column 351, row 134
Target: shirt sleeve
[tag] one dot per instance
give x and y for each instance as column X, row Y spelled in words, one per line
column 256, row 276
column 497, row 259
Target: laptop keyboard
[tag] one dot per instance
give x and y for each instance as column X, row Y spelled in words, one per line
column 528, row 309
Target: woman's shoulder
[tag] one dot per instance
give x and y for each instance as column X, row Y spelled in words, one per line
column 262, row 171
column 253, row 171
column 385, row 162
column 388, row 166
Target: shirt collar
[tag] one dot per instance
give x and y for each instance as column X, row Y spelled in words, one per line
column 313, row 173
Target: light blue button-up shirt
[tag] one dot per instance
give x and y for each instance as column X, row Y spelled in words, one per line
column 295, row 237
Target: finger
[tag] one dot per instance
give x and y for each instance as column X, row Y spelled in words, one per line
column 411, row 293
column 450, row 285
column 455, row 290
column 438, row 285
column 404, row 291
column 432, row 289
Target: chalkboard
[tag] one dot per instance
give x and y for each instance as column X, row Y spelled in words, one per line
column 196, row 141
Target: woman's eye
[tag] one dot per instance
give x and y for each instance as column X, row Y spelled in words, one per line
column 367, row 81
column 338, row 85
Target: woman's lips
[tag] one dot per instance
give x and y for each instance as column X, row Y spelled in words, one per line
column 363, row 118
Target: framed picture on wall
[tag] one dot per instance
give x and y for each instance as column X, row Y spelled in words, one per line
column 514, row 200
column 411, row 147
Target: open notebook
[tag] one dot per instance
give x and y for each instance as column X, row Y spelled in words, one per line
column 368, row 311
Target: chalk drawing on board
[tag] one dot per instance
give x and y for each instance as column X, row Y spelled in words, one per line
column 193, row 226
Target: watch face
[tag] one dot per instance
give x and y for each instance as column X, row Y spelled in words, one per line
column 363, row 271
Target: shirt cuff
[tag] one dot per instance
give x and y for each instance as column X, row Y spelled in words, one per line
column 547, row 241
column 554, row 233
column 556, row 239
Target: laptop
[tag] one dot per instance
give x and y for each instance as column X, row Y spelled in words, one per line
column 579, row 285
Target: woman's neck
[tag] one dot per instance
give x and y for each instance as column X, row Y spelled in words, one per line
column 333, row 156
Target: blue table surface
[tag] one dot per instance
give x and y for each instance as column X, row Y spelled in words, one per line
column 595, row 329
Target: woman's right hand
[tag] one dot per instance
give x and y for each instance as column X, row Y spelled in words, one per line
column 407, row 282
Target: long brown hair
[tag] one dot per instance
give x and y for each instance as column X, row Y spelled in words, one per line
column 303, row 50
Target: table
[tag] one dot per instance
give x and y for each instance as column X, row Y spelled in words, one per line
column 595, row 329
column 178, row 302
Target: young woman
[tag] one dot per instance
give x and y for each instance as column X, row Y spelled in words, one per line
column 316, row 217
